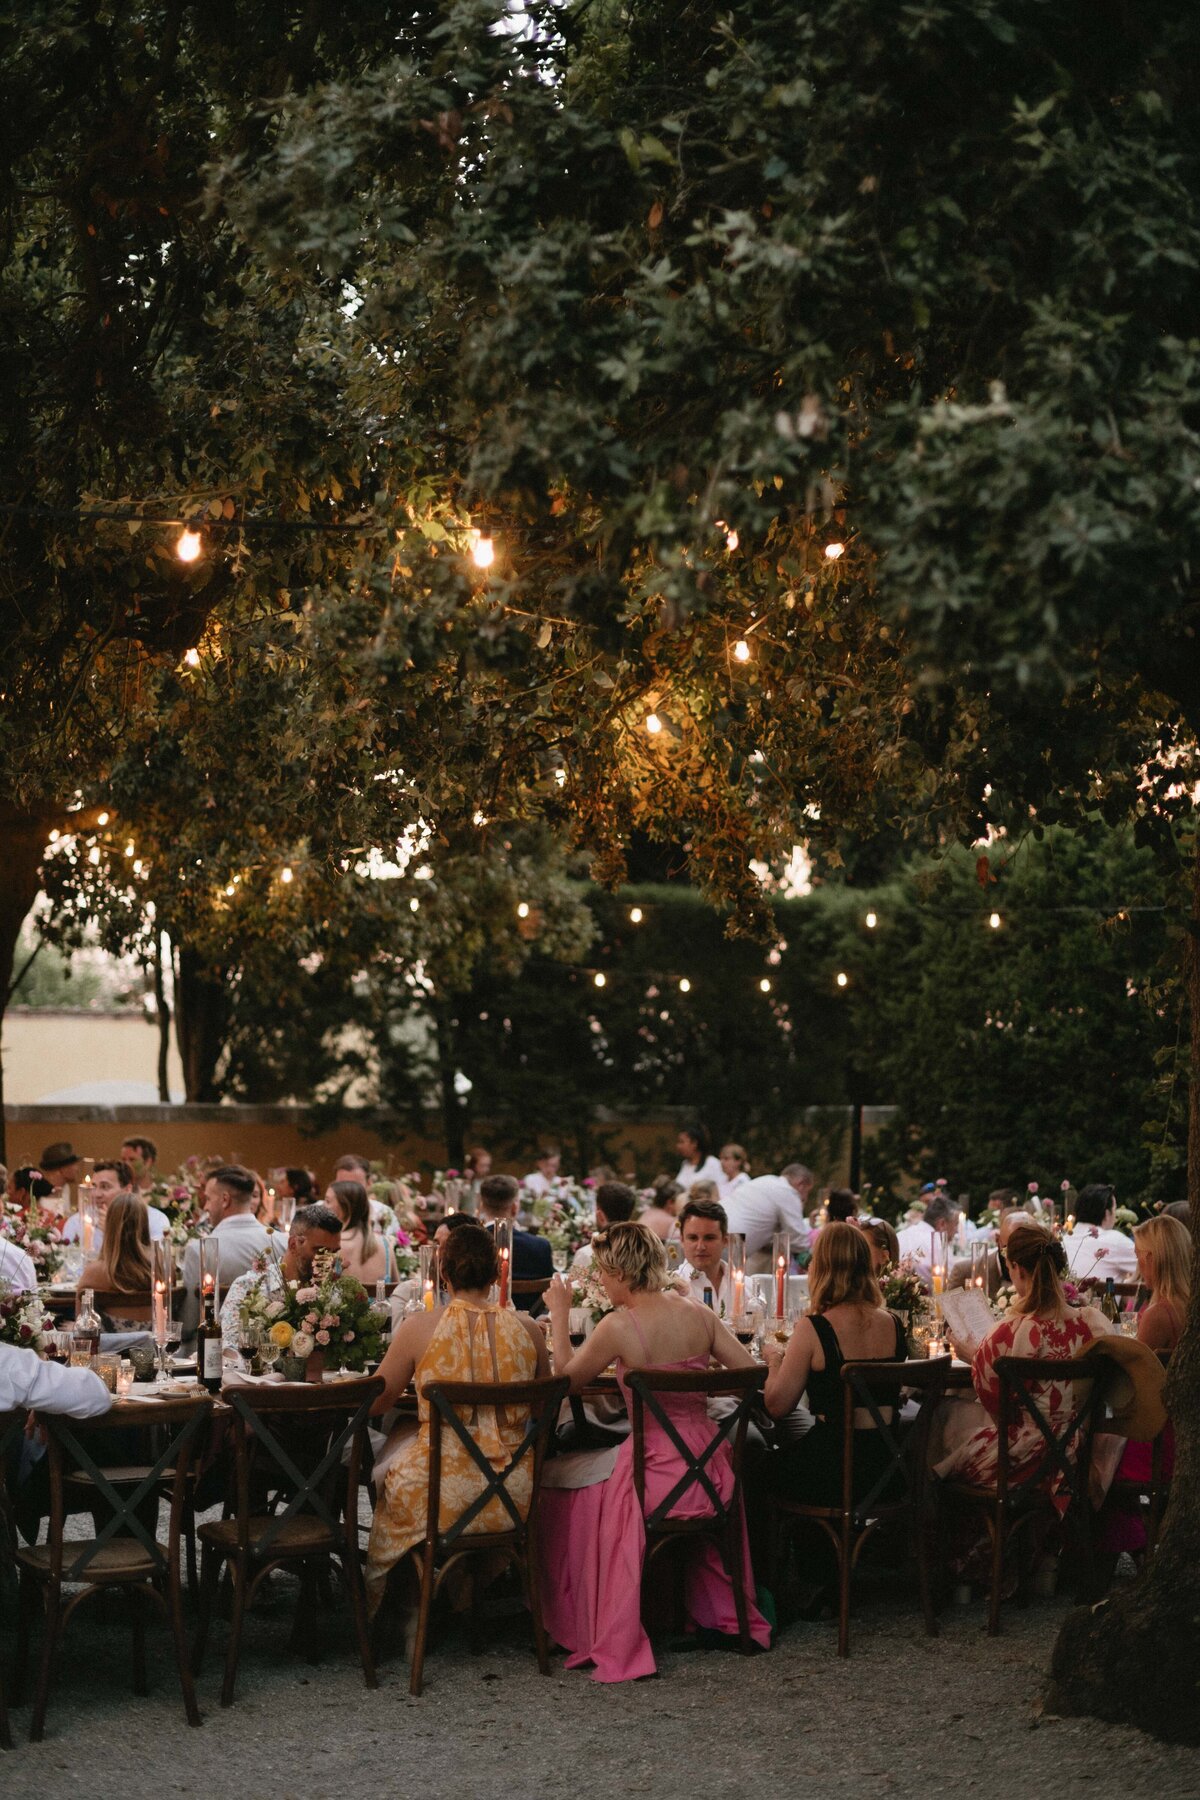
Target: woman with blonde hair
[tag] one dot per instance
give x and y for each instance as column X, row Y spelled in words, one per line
column 123, row 1263
column 735, row 1169
column 846, row 1322
column 592, row 1538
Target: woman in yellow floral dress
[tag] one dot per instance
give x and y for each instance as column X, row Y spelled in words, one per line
column 471, row 1339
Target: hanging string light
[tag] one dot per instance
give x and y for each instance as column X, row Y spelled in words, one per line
column 843, row 980
column 188, row 546
column 635, row 915
column 871, row 921
column 834, row 550
column 192, row 658
column 483, row 552
column 523, row 910
column 741, row 651
column 653, row 724
column 685, row 986
column 764, row 986
column 600, row 978
column 995, row 921
column 285, row 875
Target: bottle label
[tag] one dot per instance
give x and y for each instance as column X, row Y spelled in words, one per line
column 212, row 1358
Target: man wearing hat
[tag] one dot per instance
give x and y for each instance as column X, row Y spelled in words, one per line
column 62, row 1165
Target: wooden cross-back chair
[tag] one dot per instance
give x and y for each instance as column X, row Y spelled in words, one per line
column 443, row 1546
column 900, row 1493
column 306, row 1444
column 125, row 1551
column 723, row 1522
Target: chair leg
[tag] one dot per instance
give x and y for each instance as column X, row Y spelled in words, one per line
column 845, row 1558
column 416, row 1677
column 241, row 1582
column 189, row 1540
column 210, row 1571
column 6, row 1742
column 924, row 1584
column 174, row 1598
column 735, row 1568
column 997, row 1525
column 533, row 1593
column 137, row 1621
column 27, row 1599
column 37, row 1724
column 358, row 1609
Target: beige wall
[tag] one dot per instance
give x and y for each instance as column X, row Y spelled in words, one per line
column 45, row 1052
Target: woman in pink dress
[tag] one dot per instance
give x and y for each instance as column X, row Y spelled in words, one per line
column 1043, row 1324
column 591, row 1530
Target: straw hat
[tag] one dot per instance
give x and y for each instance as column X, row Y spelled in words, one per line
column 1135, row 1395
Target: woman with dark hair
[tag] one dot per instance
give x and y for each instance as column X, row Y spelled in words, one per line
column 699, row 1163
column 27, row 1188
column 364, row 1254
column 470, row 1339
column 298, row 1185
column 1040, row 1323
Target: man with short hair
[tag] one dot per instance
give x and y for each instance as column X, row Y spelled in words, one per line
column 549, row 1158
column 916, row 1240
column 61, row 1164
column 616, row 1204
column 113, row 1181
column 230, row 1199
column 141, row 1153
column 996, row 1271
column 532, row 1256
column 313, row 1229
column 767, row 1204
column 704, row 1235
column 1096, row 1250
column 352, row 1167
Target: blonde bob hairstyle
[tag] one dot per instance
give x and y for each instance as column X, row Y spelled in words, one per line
column 634, row 1254
column 840, row 1271
column 1169, row 1242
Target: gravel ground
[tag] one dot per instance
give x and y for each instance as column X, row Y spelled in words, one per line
column 906, row 1715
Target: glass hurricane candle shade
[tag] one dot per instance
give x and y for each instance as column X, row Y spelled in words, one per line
column 979, row 1258
column 427, row 1258
column 735, row 1275
column 781, row 1262
column 503, row 1234
column 162, row 1283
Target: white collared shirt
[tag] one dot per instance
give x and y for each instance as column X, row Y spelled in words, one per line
column 16, row 1269
column 728, row 1187
column 1100, row 1255
column 160, row 1225
column 762, row 1207
column 698, row 1280
column 26, row 1382
column 710, row 1170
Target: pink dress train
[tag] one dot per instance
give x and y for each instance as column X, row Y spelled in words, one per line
column 592, row 1541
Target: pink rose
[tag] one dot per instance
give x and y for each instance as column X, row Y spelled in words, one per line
column 310, row 1320
column 327, row 1320
column 347, row 1337
column 402, row 1237
column 306, row 1296
column 322, row 1337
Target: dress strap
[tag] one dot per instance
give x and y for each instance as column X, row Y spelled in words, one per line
column 829, row 1341
column 633, row 1320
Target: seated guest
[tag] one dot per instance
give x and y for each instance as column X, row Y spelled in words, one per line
column 27, row 1187
column 1041, row 1323
column 62, row 1166
column 315, row 1227
column 704, row 1234
column 591, row 1539
column 846, row 1322
column 916, row 1240
column 122, row 1265
column 364, row 1255
column 735, row 1169
column 29, row 1384
column 298, row 1185
column 470, row 1339
column 882, row 1244
column 532, row 1257
column 111, row 1181
column 1181, row 1210
column 699, row 1163
column 841, row 1206
column 140, row 1154
column 1012, row 1214
column 16, row 1268
column 543, row 1177
column 1164, row 1255
column 451, row 1222
column 767, row 1204
column 230, row 1197
column 659, row 1215
column 616, row 1204
column 1096, row 1251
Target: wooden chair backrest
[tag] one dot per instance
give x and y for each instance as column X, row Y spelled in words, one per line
column 872, row 1386
column 542, row 1398
column 646, row 1385
column 318, row 1421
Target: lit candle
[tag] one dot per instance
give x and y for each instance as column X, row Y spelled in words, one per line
column 427, row 1297
column 160, row 1313
column 780, row 1284
column 1070, row 1224
column 504, row 1258
column 937, row 1263
column 738, row 1310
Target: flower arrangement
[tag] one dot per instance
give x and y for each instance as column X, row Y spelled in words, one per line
column 330, row 1313
column 1005, row 1300
column 40, row 1241
column 902, row 1287
column 566, row 1228
column 587, row 1293
column 22, row 1320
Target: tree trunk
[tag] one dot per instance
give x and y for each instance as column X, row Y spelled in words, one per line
column 23, row 837
column 164, row 1016
column 453, row 1119
column 1134, row 1658
column 200, row 1018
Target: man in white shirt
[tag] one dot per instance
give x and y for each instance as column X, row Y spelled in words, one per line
column 546, row 1174
column 112, row 1181
column 1095, row 1249
column 230, row 1197
column 16, row 1270
column 704, row 1234
column 768, row 1204
column 313, row 1228
column 916, row 1240
column 29, row 1384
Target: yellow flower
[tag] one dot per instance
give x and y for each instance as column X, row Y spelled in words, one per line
column 281, row 1334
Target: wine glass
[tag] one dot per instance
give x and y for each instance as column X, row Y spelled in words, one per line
column 57, row 1346
column 249, row 1342
column 559, row 1259
column 268, row 1351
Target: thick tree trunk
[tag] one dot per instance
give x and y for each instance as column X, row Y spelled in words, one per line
column 23, row 837
column 200, row 1020
column 1137, row 1657
column 453, row 1112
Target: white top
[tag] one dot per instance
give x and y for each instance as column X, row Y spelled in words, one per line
column 28, row 1382
column 762, row 1207
column 1100, row 1254
column 536, row 1183
column 731, row 1187
column 160, row 1225
column 710, row 1170
column 16, row 1268
column 916, row 1242
column 697, row 1282
column 240, row 1239
column 272, row 1280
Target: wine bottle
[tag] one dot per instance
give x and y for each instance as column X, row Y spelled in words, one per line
column 209, row 1347
column 85, row 1333
column 708, row 1298
column 1108, row 1305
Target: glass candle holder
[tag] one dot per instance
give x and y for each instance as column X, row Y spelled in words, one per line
column 781, row 1262
column 735, row 1275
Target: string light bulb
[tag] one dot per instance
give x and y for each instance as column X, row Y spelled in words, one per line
column 483, row 552
column 871, row 921
column 843, row 979
column 834, row 550
column 995, row 921
column 560, row 775
column 188, row 546
column 285, row 875
column 685, row 986
column 732, row 540
column 635, row 915
column 102, row 819
column 741, row 651
column 523, row 910
column 414, row 904
column 764, row 986
column 192, row 658
column 653, row 724
column 600, row 978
